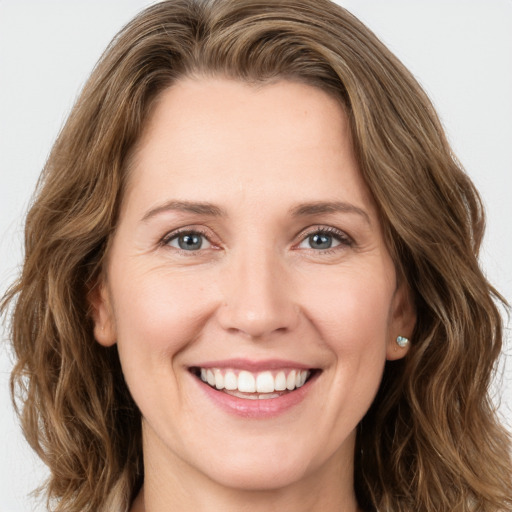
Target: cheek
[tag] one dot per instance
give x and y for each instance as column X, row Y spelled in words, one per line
column 352, row 311
column 156, row 316
column 351, row 316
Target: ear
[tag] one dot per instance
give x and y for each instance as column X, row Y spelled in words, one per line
column 102, row 314
column 401, row 323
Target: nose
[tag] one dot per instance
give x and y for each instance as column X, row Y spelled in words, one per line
column 258, row 296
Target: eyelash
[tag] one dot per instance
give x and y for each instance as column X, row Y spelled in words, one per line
column 164, row 242
column 343, row 239
column 340, row 236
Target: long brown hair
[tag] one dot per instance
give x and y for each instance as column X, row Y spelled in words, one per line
column 431, row 440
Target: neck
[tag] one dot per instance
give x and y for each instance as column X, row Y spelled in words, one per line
column 171, row 484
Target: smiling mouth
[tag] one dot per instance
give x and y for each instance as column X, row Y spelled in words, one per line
column 254, row 385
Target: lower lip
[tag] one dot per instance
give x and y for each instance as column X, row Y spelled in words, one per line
column 260, row 408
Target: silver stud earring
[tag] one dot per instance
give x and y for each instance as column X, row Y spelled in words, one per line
column 402, row 341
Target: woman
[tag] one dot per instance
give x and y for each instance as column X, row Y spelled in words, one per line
column 251, row 279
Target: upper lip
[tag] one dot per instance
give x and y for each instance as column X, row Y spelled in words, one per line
column 252, row 365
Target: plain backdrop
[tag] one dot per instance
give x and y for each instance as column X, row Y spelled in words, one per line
column 459, row 50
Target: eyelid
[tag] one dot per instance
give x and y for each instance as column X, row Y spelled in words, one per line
column 193, row 230
column 344, row 239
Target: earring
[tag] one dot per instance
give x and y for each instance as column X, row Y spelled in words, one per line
column 402, row 341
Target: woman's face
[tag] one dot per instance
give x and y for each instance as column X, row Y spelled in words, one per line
column 249, row 254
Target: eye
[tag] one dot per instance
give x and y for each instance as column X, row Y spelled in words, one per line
column 188, row 241
column 321, row 241
column 324, row 239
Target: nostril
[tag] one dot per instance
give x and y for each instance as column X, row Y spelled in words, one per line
column 259, row 311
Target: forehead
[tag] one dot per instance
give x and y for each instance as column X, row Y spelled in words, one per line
column 219, row 138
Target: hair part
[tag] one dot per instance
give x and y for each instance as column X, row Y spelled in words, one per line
column 431, row 440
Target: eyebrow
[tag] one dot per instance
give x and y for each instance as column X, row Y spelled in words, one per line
column 199, row 208
column 301, row 210
column 321, row 207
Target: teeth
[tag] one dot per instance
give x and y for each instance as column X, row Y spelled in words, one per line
column 230, row 381
column 262, row 385
column 219, row 379
column 300, row 379
column 246, row 382
column 255, row 396
column 280, row 384
column 290, row 380
column 265, row 383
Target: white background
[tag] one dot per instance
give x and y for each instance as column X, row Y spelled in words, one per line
column 460, row 51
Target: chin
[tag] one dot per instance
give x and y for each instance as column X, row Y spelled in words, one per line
column 260, row 465
column 260, row 476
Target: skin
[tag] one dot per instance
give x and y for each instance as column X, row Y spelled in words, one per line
column 257, row 289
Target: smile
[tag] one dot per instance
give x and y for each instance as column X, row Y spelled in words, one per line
column 255, row 389
column 253, row 386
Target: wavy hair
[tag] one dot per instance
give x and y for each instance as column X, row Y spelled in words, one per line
column 431, row 441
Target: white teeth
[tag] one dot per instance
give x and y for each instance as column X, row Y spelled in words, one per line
column 261, row 385
column 265, row 383
column 230, row 380
column 219, row 379
column 290, row 380
column 269, row 395
column 246, row 382
column 280, row 384
column 300, row 379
